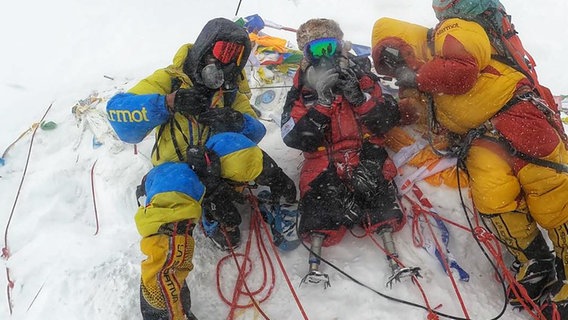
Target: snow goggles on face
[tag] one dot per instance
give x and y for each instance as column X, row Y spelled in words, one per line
column 321, row 48
column 227, row 52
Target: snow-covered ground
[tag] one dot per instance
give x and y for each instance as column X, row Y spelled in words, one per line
column 66, row 262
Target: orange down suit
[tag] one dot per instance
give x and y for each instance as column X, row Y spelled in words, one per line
column 469, row 88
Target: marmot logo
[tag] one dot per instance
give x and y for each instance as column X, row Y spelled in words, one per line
column 128, row 116
column 446, row 28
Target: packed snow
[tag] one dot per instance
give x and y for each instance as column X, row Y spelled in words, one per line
column 71, row 246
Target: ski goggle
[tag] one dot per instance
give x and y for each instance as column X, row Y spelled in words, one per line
column 321, row 48
column 227, row 52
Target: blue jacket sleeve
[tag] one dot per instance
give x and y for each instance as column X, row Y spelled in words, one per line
column 133, row 116
column 253, row 128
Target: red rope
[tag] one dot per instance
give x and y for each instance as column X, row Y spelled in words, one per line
column 94, row 198
column 491, row 244
column 256, row 211
column 257, row 226
column 431, row 314
column 5, row 249
column 243, row 273
column 419, row 210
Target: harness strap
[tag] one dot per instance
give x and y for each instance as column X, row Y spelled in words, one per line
column 174, row 139
column 158, row 136
column 461, row 150
column 558, row 167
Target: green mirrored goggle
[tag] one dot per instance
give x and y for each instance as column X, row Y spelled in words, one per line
column 320, row 48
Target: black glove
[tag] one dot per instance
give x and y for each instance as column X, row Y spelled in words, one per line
column 223, row 119
column 279, row 183
column 383, row 116
column 283, row 186
column 323, row 81
column 367, row 179
column 206, row 164
column 389, row 61
column 219, row 205
column 351, row 90
column 405, row 77
column 219, row 199
column 192, row 101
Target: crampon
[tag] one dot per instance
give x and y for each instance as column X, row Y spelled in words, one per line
column 316, row 277
column 400, row 273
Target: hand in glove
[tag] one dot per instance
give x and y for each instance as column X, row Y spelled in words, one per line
column 192, row 101
column 207, row 165
column 219, row 205
column 350, row 85
column 405, row 77
column 367, row 179
column 219, row 195
column 223, row 119
column 284, row 187
column 279, row 183
column 323, row 82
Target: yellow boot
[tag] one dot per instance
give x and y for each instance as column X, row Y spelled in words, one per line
column 522, row 238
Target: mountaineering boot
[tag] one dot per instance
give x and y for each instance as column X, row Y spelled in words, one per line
column 557, row 305
column 536, row 276
column 214, row 231
column 282, row 220
column 220, row 213
column 559, row 238
column 522, row 238
column 220, row 240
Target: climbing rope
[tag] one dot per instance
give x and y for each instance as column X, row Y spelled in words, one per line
column 419, row 211
column 94, row 198
column 5, row 249
column 246, row 267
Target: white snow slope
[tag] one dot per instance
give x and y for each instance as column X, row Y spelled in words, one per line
column 63, row 267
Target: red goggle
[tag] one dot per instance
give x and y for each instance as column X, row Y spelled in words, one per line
column 227, row 52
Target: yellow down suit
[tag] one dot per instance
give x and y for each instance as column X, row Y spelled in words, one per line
column 174, row 193
column 472, row 90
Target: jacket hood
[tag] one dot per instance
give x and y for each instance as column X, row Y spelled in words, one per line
column 213, row 31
